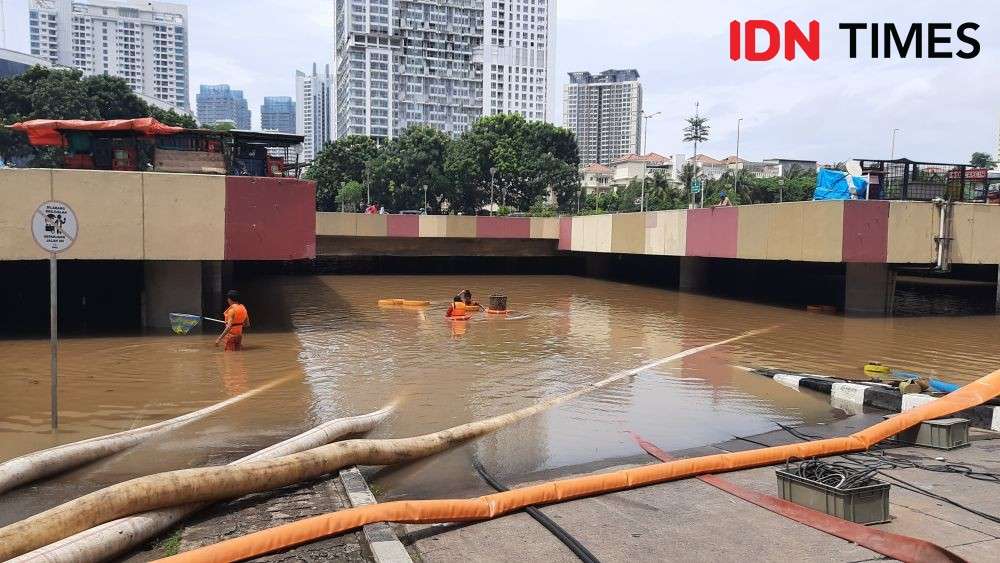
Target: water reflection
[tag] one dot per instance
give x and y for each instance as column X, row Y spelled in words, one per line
column 353, row 356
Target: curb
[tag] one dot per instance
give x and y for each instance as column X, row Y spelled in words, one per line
column 382, row 540
column 852, row 396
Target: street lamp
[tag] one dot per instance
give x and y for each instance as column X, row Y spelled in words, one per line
column 493, row 173
column 368, row 181
column 736, row 174
column 425, row 199
column 892, row 144
column 645, row 164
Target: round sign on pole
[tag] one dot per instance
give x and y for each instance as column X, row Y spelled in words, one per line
column 54, row 226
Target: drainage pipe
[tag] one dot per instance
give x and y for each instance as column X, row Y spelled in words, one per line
column 498, row 504
column 943, row 239
column 36, row 465
column 119, row 536
column 185, row 486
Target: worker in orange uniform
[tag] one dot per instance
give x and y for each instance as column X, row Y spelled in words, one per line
column 457, row 309
column 470, row 304
column 237, row 319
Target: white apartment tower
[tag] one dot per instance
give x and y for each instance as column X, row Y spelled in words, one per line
column 442, row 63
column 605, row 114
column 313, row 111
column 146, row 43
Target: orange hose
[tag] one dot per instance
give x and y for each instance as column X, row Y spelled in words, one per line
column 498, row 504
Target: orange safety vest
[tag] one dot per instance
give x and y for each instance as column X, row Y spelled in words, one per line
column 236, row 315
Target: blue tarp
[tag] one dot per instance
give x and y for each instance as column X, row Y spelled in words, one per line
column 834, row 184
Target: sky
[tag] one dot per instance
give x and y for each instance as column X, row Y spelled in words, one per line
column 831, row 110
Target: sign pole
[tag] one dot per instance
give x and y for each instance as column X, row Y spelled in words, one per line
column 54, row 335
column 54, row 228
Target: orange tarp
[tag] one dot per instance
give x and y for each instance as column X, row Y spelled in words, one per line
column 498, row 504
column 45, row 132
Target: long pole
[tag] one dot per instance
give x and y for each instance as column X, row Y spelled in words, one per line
column 493, row 174
column 736, row 174
column 645, row 147
column 54, row 336
column 892, row 144
column 368, row 182
column 425, row 199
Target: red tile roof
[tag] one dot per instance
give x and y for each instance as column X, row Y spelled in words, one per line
column 596, row 169
column 651, row 158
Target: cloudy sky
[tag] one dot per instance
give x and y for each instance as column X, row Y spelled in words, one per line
column 832, row 109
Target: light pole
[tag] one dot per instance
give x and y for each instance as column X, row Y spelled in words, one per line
column 736, row 174
column 368, row 181
column 645, row 164
column 493, row 173
column 425, row 199
column 892, row 144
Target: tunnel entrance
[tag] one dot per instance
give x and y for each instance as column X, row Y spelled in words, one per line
column 94, row 296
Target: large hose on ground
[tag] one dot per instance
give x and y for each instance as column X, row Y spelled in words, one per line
column 217, row 483
column 119, row 536
column 498, row 504
column 36, row 465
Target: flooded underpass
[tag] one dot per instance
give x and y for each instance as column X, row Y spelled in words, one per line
column 342, row 354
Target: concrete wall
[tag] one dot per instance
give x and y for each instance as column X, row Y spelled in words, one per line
column 154, row 216
column 270, row 219
column 436, row 226
column 976, row 230
column 171, row 287
column 184, row 217
column 911, row 232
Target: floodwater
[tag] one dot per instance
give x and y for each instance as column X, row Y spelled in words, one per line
column 343, row 355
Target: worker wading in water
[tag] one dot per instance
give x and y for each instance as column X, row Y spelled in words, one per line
column 465, row 296
column 237, row 319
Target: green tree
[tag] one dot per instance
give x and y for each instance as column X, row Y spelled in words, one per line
column 351, row 194
column 337, row 163
column 171, row 117
column 221, row 126
column 407, row 163
column 530, row 160
column 47, row 93
column 982, row 160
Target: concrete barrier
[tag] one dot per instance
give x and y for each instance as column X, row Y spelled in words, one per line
column 162, row 216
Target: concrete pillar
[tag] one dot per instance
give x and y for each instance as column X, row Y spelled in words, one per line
column 216, row 277
column 869, row 289
column 998, row 290
column 170, row 287
column 693, row 274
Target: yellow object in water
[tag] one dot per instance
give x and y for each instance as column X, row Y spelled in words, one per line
column 875, row 367
column 403, row 302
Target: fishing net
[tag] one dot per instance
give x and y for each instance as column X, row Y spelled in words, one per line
column 183, row 324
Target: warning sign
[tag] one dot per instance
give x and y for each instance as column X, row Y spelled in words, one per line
column 54, row 226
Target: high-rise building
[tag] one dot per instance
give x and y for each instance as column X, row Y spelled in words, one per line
column 313, row 111
column 221, row 103
column 278, row 114
column 146, row 43
column 443, row 64
column 605, row 114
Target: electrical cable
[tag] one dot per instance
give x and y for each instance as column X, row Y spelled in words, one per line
column 562, row 535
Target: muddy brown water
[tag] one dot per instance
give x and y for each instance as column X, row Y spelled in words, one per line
column 346, row 355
